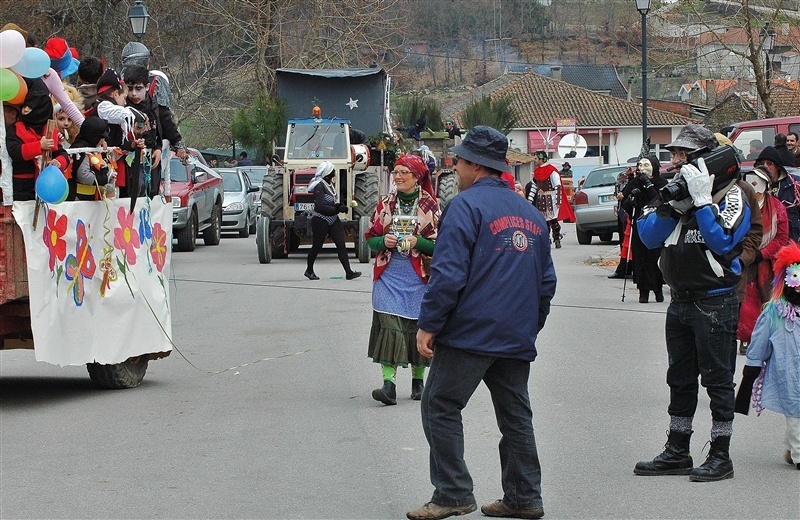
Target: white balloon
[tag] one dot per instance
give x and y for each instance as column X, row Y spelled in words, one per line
column 12, row 45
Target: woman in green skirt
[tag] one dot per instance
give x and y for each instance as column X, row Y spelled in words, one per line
column 402, row 232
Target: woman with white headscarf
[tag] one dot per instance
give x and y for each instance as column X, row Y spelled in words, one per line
column 325, row 220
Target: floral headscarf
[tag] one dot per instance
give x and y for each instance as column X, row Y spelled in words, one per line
column 420, row 170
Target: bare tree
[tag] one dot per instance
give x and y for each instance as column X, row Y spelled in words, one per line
column 750, row 18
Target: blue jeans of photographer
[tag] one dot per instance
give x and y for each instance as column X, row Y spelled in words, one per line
column 701, row 341
column 453, row 377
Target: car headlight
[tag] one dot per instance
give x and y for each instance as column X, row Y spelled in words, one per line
column 176, row 202
column 234, row 206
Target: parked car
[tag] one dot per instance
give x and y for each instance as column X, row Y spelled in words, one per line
column 196, row 203
column 239, row 206
column 595, row 204
column 256, row 176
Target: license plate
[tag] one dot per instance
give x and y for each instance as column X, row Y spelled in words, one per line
column 304, row 206
column 607, row 198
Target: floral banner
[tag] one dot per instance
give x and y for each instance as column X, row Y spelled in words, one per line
column 98, row 278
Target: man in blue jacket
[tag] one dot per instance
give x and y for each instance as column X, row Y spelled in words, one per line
column 701, row 233
column 492, row 279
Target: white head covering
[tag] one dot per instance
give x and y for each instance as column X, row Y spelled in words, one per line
column 323, row 170
column 758, row 179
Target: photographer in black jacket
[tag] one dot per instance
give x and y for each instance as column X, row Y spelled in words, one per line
column 700, row 230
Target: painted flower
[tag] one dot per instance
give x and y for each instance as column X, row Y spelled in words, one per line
column 126, row 238
column 158, row 249
column 81, row 265
column 52, row 235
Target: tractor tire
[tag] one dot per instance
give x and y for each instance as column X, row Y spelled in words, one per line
column 278, row 242
column 448, row 189
column 213, row 233
column 127, row 374
column 272, row 196
column 364, row 253
column 187, row 236
column 365, row 193
column 263, row 243
column 245, row 231
column 584, row 237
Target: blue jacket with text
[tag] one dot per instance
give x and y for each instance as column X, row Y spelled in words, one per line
column 492, row 276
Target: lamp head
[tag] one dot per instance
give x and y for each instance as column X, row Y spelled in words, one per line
column 138, row 17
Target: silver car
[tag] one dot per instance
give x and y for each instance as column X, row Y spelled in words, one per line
column 595, row 204
column 238, row 212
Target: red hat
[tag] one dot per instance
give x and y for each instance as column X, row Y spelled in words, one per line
column 61, row 58
column 420, row 170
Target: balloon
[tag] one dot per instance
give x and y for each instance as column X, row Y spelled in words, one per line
column 64, row 196
column 34, row 63
column 9, row 84
column 12, row 46
column 51, row 185
column 23, row 91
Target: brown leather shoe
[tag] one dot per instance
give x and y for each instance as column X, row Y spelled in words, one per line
column 431, row 511
column 500, row 509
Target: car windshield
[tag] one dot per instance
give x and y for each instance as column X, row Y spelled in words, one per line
column 602, row 177
column 177, row 171
column 231, row 182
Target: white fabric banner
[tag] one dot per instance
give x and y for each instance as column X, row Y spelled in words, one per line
column 98, row 279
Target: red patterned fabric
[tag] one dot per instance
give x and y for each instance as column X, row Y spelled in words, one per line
column 380, row 224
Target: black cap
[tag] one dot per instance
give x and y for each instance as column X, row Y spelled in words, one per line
column 769, row 153
column 485, row 146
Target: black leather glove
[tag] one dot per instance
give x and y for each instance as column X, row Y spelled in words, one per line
column 749, row 376
column 644, row 180
column 341, row 208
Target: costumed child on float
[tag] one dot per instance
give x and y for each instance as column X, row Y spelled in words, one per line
column 771, row 376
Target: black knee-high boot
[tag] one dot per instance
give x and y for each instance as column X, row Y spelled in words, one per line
column 556, row 227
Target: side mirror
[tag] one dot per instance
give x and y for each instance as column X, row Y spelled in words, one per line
column 253, row 189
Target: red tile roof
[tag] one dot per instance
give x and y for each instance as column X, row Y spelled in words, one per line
column 539, row 101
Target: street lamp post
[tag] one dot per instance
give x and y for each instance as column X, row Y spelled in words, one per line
column 768, row 43
column 643, row 6
column 138, row 16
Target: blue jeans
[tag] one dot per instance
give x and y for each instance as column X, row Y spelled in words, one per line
column 701, row 341
column 453, row 377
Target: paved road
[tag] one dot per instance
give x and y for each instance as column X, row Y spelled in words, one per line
column 292, row 432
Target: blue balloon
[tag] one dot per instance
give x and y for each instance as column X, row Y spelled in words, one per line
column 51, row 185
column 34, row 63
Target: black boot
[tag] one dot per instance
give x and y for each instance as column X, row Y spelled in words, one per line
column 622, row 269
column 310, row 275
column 557, row 236
column 352, row 275
column 387, row 394
column 674, row 460
column 644, row 296
column 659, row 295
column 416, row 389
column 718, row 465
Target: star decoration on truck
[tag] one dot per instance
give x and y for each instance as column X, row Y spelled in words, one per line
column 353, row 103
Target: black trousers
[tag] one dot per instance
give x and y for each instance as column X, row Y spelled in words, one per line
column 322, row 230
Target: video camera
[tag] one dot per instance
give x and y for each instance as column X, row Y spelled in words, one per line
column 722, row 162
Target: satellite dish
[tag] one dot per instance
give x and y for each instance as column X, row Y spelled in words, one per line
column 572, row 143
